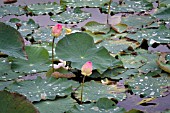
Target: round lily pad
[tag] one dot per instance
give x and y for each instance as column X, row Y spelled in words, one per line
column 80, row 48
column 71, row 16
column 83, row 3
column 60, row 105
column 42, row 89
column 15, row 103
column 45, row 8
column 149, row 86
column 89, row 94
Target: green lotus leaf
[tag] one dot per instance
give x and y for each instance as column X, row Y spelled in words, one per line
column 38, row 61
column 25, row 27
column 129, row 6
column 96, row 108
column 163, row 13
column 80, row 48
column 149, row 86
column 15, row 103
column 83, row 3
column 160, row 35
column 136, row 21
column 11, row 10
column 45, row 8
column 130, row 61
column 42, row 89
column 4, row 84
column 126, row 74
column 5, row 71
column 60, row 105
column 43, row 34
column 120, row 28
column 99, row 37
column 150, row 65
column 11, row 42
column 96, row 27
column 111, row 73
column 116, row 46
column 93, row 91
column 71, row 16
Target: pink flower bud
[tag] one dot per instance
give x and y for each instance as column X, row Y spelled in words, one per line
column 87, row 68
column 56, row 30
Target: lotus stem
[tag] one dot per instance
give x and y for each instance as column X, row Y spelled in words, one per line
column 108, row 12
column 82, row 85
column 53, row 54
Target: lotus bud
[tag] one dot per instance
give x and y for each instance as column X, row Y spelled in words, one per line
column 87, row 68
column 56, row 30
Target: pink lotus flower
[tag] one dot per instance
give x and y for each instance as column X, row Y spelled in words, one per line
column 87, row 68
column 56, row 30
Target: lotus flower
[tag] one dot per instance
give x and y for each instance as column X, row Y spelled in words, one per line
column 87, row 68
column 56, row 30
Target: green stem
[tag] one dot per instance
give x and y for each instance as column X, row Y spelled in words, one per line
column 82, row 89
column 108, row 12
column 53, row 54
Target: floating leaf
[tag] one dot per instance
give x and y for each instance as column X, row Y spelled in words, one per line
column 59, row 105
column 111, row 73
column 129, row 6
column 24, row 27
column 15, row 103
column 105, row 103
column 11, row 42
column 99, row 37
column 93, row 108
column 71, row 16
column 163, row 62
column 96, row 27
column 79, row 48
column 160, row 35
column 120, row 28
column 130, row 61
column 136, row 21
column 127, row 74
column 43, row 34
column 116, row 46
column 42, row 89
column 38, row 61
column 149, row 86
column 11, row 10
column 45, row 8
column 5, row 71
column 100, row 91
column 83, row 3
column 150, row 65
column 4, row 84
column 163, row 13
